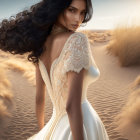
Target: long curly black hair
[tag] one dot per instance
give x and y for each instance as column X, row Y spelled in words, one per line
column 27, row 31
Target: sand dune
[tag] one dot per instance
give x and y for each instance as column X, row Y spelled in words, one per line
column 97, row 36
column 107, row 95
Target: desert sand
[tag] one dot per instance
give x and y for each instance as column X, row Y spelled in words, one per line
column 107, row 95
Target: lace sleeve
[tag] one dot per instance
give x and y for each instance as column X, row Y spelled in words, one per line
column 77, row 53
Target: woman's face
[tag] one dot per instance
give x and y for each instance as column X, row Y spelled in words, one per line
column 73, row 16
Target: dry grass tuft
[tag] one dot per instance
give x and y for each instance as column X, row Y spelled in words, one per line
column 6, row 98
column 136, row 83
column 25, row 67
column 128, row 120
column 15, row 63
column 5, row 85
column 126, row 45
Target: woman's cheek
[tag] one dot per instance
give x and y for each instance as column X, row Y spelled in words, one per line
column 69, row 16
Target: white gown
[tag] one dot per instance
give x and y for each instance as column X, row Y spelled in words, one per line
column 75, row 55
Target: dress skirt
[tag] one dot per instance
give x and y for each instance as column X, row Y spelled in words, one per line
column 92, row 125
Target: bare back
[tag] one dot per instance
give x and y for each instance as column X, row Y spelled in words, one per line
column 54, row 45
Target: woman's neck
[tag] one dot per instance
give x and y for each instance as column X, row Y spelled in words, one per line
column 58, row 29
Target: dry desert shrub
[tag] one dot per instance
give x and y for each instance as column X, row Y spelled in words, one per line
column 128, row 120
column 25, row 67
column 6, row 98
column 5, row 86
column 126, row 45
column 18, row 64
column 136, row 83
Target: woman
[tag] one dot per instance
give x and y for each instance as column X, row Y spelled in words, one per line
column 64, row 65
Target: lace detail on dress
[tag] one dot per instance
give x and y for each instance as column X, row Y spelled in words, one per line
column 77, row 54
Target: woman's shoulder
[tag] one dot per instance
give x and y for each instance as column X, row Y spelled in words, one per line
column 76, row 37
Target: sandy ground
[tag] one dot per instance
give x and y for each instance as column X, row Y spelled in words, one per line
column 107, row 95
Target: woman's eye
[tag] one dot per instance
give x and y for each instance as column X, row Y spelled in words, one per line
column 71, row 10
column 83, row 13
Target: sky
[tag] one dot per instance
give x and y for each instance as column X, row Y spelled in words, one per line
column 107, row 14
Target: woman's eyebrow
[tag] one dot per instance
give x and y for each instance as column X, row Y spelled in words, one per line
column 76, row 8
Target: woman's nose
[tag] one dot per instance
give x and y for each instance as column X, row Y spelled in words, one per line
column 77, row 17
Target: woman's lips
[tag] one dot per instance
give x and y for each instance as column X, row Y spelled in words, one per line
column 75, row 26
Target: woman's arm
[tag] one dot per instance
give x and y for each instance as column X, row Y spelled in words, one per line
column 73, row 107
column 40, row 98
